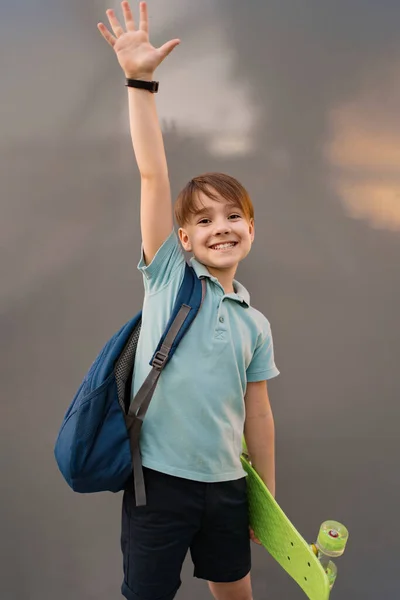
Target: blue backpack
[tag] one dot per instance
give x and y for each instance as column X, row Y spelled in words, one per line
column 97, row 448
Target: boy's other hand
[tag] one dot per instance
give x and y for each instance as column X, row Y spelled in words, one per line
column 253, row 537
column 137, row 57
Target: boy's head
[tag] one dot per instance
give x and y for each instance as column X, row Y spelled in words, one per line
column 216, row 220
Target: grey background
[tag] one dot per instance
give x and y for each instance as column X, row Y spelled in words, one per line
column 299, row 100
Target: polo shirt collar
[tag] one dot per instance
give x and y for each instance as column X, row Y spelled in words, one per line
column 241, row 294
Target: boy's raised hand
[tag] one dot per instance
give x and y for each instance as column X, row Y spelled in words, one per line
column 137, row 57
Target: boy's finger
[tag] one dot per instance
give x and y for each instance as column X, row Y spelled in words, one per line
column 115, row 24
column 168, row 47
column 128, row 16
column 144, row 19
column 254, row 538
column 106, row 34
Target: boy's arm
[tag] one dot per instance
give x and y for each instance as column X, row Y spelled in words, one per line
column 259, row 432
column 155, row 205
column 139, row 60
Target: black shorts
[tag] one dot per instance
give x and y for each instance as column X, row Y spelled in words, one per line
column 210, row 519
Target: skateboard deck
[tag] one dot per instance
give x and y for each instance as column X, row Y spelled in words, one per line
column 279, row 536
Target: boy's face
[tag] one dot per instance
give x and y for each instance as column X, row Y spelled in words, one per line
column 219, row 235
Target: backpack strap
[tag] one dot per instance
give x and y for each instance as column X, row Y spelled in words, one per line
column 187, row 305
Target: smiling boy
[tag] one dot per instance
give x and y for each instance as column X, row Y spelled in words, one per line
column 214, row 389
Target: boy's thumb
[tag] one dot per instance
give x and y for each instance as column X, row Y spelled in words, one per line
column 168, row 47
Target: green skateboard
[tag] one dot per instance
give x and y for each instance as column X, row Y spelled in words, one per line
column 308, row 564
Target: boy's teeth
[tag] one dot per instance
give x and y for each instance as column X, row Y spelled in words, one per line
column 218, row 246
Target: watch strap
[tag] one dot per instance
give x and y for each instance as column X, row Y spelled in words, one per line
column 151, row 86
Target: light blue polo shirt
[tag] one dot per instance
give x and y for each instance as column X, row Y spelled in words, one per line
column 194, row 424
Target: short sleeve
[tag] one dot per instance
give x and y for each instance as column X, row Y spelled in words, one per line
column 168, row 263
column 262, row 365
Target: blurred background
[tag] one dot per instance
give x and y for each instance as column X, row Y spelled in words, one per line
column 299, row 101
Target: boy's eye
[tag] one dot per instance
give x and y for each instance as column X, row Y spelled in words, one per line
column 234, row 216
column 204, row 221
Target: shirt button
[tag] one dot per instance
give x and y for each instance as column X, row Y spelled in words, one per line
column 221, row 319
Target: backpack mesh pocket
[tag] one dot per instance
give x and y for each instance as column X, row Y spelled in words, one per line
column 124, row 368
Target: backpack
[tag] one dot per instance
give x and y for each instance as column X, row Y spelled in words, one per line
column 97, row 447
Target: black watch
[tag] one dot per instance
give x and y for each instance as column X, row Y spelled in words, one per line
column 151, row 86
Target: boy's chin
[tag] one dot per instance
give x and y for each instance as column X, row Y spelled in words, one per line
column 221, row 263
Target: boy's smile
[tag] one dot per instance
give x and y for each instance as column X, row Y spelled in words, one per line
column 221, row 246
column 219, row 235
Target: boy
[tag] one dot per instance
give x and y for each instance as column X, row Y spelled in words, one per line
column 215, row 388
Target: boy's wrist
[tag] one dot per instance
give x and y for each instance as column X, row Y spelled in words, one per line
column 140, row 76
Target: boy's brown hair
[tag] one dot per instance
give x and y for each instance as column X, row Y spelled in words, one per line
column 230, row 189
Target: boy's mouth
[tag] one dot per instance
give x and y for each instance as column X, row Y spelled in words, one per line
column 223, row 246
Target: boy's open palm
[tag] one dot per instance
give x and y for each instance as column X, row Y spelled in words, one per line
column 137, row 57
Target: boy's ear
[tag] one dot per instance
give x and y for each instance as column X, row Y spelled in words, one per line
column 184, row 238
column 252, row 229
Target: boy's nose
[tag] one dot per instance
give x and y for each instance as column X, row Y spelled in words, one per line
column 222, row 228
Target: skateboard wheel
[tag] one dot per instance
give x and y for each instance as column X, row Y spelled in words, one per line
column 332, row 538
